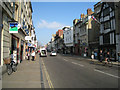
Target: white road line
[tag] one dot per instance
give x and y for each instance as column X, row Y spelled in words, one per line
column 106, row 73
column 78, row 64
column 74, row 63
column 65, row 60
column 81, row 65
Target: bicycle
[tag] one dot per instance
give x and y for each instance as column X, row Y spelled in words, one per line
column 108, row 62
column 9, row 69
column 11, row 65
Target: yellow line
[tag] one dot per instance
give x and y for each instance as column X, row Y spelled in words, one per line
column 47, row 76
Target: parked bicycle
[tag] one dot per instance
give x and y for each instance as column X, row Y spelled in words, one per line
column 11, row 65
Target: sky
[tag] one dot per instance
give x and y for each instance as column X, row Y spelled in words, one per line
column 48, row 17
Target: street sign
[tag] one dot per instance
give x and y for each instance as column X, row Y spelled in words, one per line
column 13, row 27
column 27, row 37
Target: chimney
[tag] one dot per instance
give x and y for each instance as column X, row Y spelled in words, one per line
column 89, row 11
column 82, row 15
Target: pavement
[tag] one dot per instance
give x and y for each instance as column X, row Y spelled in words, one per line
column 26, row 76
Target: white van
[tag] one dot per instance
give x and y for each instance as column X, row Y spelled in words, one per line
column 43, row 52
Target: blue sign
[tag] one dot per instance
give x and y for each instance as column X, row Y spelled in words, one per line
column 29, row 44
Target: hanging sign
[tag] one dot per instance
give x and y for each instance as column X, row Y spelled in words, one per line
column 27, row 37
column 13, row 27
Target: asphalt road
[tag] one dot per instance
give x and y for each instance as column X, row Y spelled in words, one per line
column 63, row 71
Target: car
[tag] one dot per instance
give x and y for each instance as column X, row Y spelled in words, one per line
column 53, row 53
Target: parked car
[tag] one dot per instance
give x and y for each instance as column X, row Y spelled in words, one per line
column 53, row 53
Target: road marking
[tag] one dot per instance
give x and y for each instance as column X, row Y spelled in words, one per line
column 106, row 73
column 47, row 76
column 81, row 65
column 74, row 63
column 78, row 64
column 65, row 60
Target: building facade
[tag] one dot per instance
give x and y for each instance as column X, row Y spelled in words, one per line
column 59, row 41
column 14, row 43
column 68, row 39
column 108, row 29
column 5, row 35
column 82, row 29
column 94, row 32
column 53, row 42
column 76, row 36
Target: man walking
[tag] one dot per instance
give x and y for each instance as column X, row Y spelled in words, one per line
column 101, row 56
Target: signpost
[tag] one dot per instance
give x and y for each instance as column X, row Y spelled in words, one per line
column 13, row 27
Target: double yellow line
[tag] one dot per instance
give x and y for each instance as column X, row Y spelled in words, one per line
column 47, row 76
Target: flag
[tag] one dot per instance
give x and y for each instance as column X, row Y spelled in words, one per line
column 94, row 18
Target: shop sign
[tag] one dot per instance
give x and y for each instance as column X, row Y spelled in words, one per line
column 13, row 27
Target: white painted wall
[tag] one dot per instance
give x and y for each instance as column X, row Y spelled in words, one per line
column 68, row 36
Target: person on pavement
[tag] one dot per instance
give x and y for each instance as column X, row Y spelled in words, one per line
column 33, row 55
column 101, row 56
column 28, row 54
column 92, row 55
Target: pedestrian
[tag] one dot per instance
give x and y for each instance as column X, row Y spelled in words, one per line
column 28, row 54
column 95, row 54
column 107, row 57
column 92, row 55
column 101, row 56
column 33, row 55
column 118, row 56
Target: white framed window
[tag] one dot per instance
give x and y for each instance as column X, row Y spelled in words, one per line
column 101, row 40
column 112, row 38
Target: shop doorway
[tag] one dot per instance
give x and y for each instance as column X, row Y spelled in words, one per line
column 15, row 47
column 21, row 51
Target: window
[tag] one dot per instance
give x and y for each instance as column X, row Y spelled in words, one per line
column 106, row 39
column 106, row 11
column 107, row 25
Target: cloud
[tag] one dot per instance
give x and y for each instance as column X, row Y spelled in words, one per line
column 50, row 25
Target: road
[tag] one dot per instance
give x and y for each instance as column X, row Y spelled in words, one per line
column 63, row 71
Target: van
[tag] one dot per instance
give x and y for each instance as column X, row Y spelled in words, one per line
column 43, row 53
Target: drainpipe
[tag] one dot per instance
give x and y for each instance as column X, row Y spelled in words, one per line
column 1, row 26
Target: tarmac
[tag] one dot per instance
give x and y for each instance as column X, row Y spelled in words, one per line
column 26, row 76
column 116, row 63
